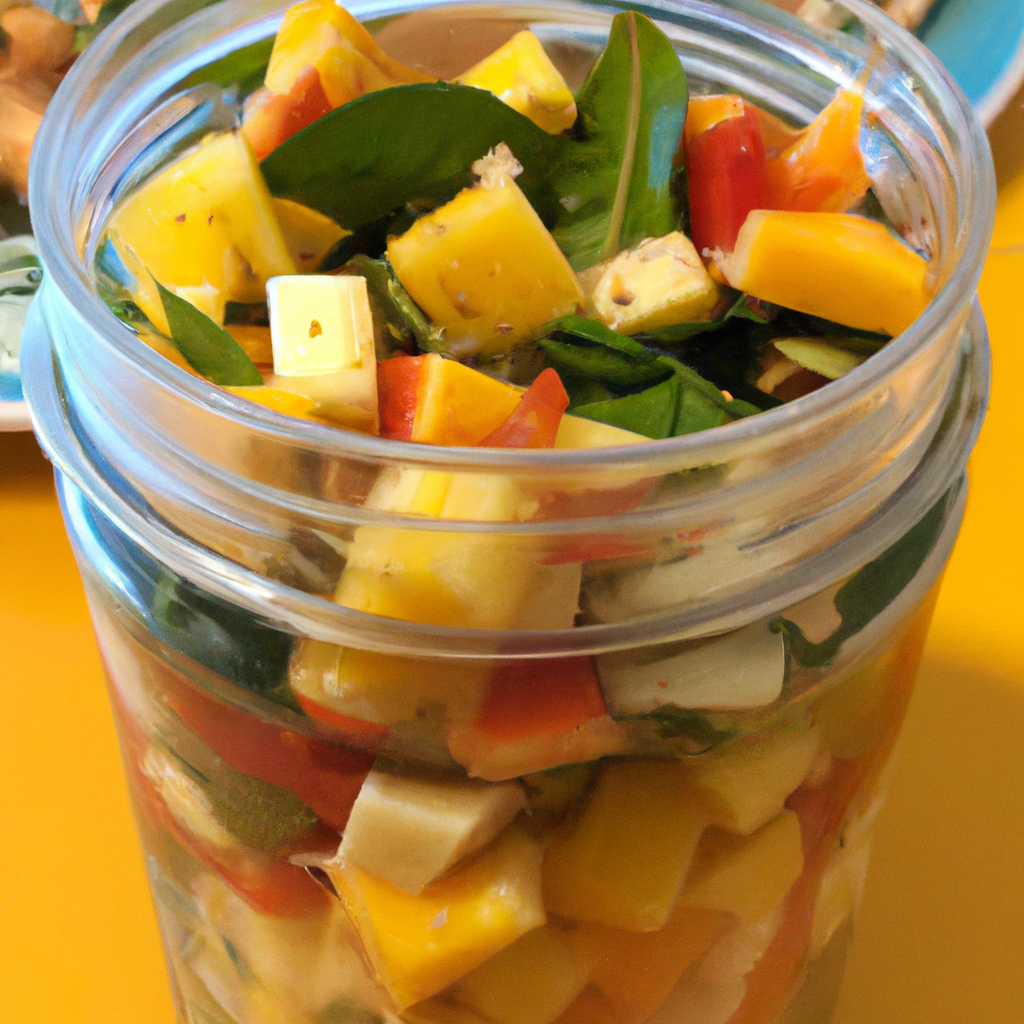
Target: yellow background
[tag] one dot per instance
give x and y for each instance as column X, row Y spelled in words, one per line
column 941, row 937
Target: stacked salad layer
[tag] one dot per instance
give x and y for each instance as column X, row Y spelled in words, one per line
column 675, row 833
column 372, row 241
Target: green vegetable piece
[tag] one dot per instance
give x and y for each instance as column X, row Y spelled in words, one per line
column 223, row 638
column 652, row 413
column 831, row 359
column 873, row 588
column 676, row 722
column 615, row 184
column 598, row 364
column 242, row 69
column 675, row 333
column 206, row 346
column 399, row 324
column 409, row 143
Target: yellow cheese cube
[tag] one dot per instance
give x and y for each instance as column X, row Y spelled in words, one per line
column 746, row 875
column 419, row 945
column 660, row 282
column 411, row 831
column 309, row 234
column 746, row 785
column 484, row 268
column 323, row 35
column 623, row 862
column 521, row 74
column 530, row 982
column 457, row 405
column 205, row 224
column 578, row 432
column 835, row 265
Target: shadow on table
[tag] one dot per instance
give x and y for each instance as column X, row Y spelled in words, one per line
column 941, row 936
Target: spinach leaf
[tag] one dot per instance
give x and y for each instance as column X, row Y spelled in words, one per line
column 399, row 324
column 675, row 333
column 615, row 379
column 615, row 183
column 225, row 639
column 206, row 346
column 674, row 721
column 242, row 69
column 873, row 588
column 406, row 144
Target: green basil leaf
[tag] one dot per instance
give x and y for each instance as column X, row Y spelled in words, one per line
column 653, row 412
column 615, row 184
column 242, row 69
column 676, row 333
column 873, row 588
column 409, row 143
column 206, row 346
column 399, row 324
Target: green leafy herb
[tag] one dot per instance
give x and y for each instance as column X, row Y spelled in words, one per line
column 675, row 333
column 206, row 346
column 399, row 324
column 242, row 69
column 85, row 34
column 615, row 183
column 224, row 638
column 676, row 722
column 615, row 379
column 409, row 143
column 871, row 590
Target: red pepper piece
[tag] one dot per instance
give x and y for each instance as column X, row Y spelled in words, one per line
column 533, row 423
column 324, row 776
column 540, row 698
column 727, row 178
column 275, row 118
column 346, row 723
column 398, row 381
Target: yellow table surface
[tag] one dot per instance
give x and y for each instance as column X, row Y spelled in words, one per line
column 941, row 936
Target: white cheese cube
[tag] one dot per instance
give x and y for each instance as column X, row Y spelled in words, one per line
column 742, row 669
column 318, row 323
column 411, row 831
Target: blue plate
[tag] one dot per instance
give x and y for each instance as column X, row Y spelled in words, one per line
column 981, row 42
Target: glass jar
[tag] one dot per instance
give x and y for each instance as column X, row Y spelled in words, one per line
column 601, row 732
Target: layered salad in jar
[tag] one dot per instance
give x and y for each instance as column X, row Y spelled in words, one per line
column 585, row 256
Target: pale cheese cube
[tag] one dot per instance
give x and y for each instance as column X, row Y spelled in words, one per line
column 411, row 831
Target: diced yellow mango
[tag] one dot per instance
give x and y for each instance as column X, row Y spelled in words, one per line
column 530, row 982
column 254, row 341
column 457, row 405
column 660, row 282
column 704, row 112
column 309, row 234
column 834, row 265
column 746, row 785
column 449, row 579
column 383, row 688
column 578, row 432
column 485, row 269
column 419, row 945
column 623, row 862
column 204, row 226
column 634, row 972
column 411, row 831
column 323, row 35
column 521, row 74
column 746, row 875
column 284, row 402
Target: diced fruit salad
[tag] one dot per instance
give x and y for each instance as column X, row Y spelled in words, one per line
column 670, row 833
column 471, row 262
